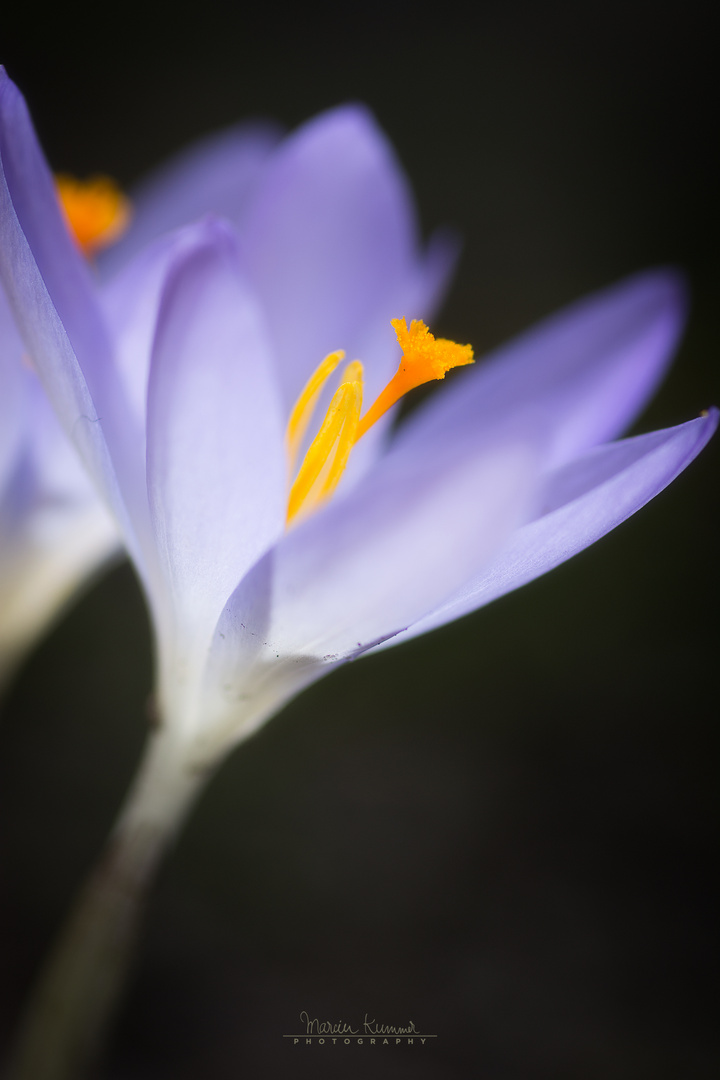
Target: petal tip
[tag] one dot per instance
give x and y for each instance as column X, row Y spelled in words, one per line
column 348, row 131
column 665, row 288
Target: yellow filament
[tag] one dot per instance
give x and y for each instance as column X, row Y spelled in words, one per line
column 352, row 377
column 328, row 454
column 304, row 406
column 96, row 210
column 424, row 358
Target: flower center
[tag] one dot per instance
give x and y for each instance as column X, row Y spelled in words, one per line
column 96, row 211
column 424, row 358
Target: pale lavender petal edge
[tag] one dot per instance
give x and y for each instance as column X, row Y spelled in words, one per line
column 583, row 501
column 215, row 175
column 12, row 391
column 355, row 572
column 32, row 216
column 57, row 313
column 330, row 240
column 589, row 369
column 216, row 469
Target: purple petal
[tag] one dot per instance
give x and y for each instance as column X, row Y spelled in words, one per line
column 47, row 552
column 57, row 313
column 215, row 175
column 131, row 302
column 377, row 344
column 41, row 474
column 216, row 468
column 12, row 391
column 332, row 247
column 357, row 571
column 582, row 502
column 31, row 218
column 587, row 372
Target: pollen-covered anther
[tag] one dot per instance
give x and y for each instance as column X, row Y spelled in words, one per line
column 304, row 407
column 96, row 211
column 424, row 359
column 325, row 461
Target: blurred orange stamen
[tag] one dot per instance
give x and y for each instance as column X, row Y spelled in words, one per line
column 96, row 210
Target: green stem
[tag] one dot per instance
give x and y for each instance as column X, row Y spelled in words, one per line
column 77, row 995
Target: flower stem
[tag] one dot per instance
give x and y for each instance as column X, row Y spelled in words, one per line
column 78, row 992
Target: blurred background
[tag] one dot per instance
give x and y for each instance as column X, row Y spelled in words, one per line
column 503, row 831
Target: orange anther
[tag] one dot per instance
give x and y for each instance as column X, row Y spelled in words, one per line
column 96, row 211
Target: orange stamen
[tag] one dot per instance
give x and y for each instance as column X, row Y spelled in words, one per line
column 325, row 461
column 424, row 358
column 96, row 211
column 301, row 414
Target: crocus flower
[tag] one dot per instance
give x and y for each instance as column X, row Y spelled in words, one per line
column 270, row 555
column 491, row 483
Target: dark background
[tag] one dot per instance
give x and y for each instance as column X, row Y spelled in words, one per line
column 503, row 831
